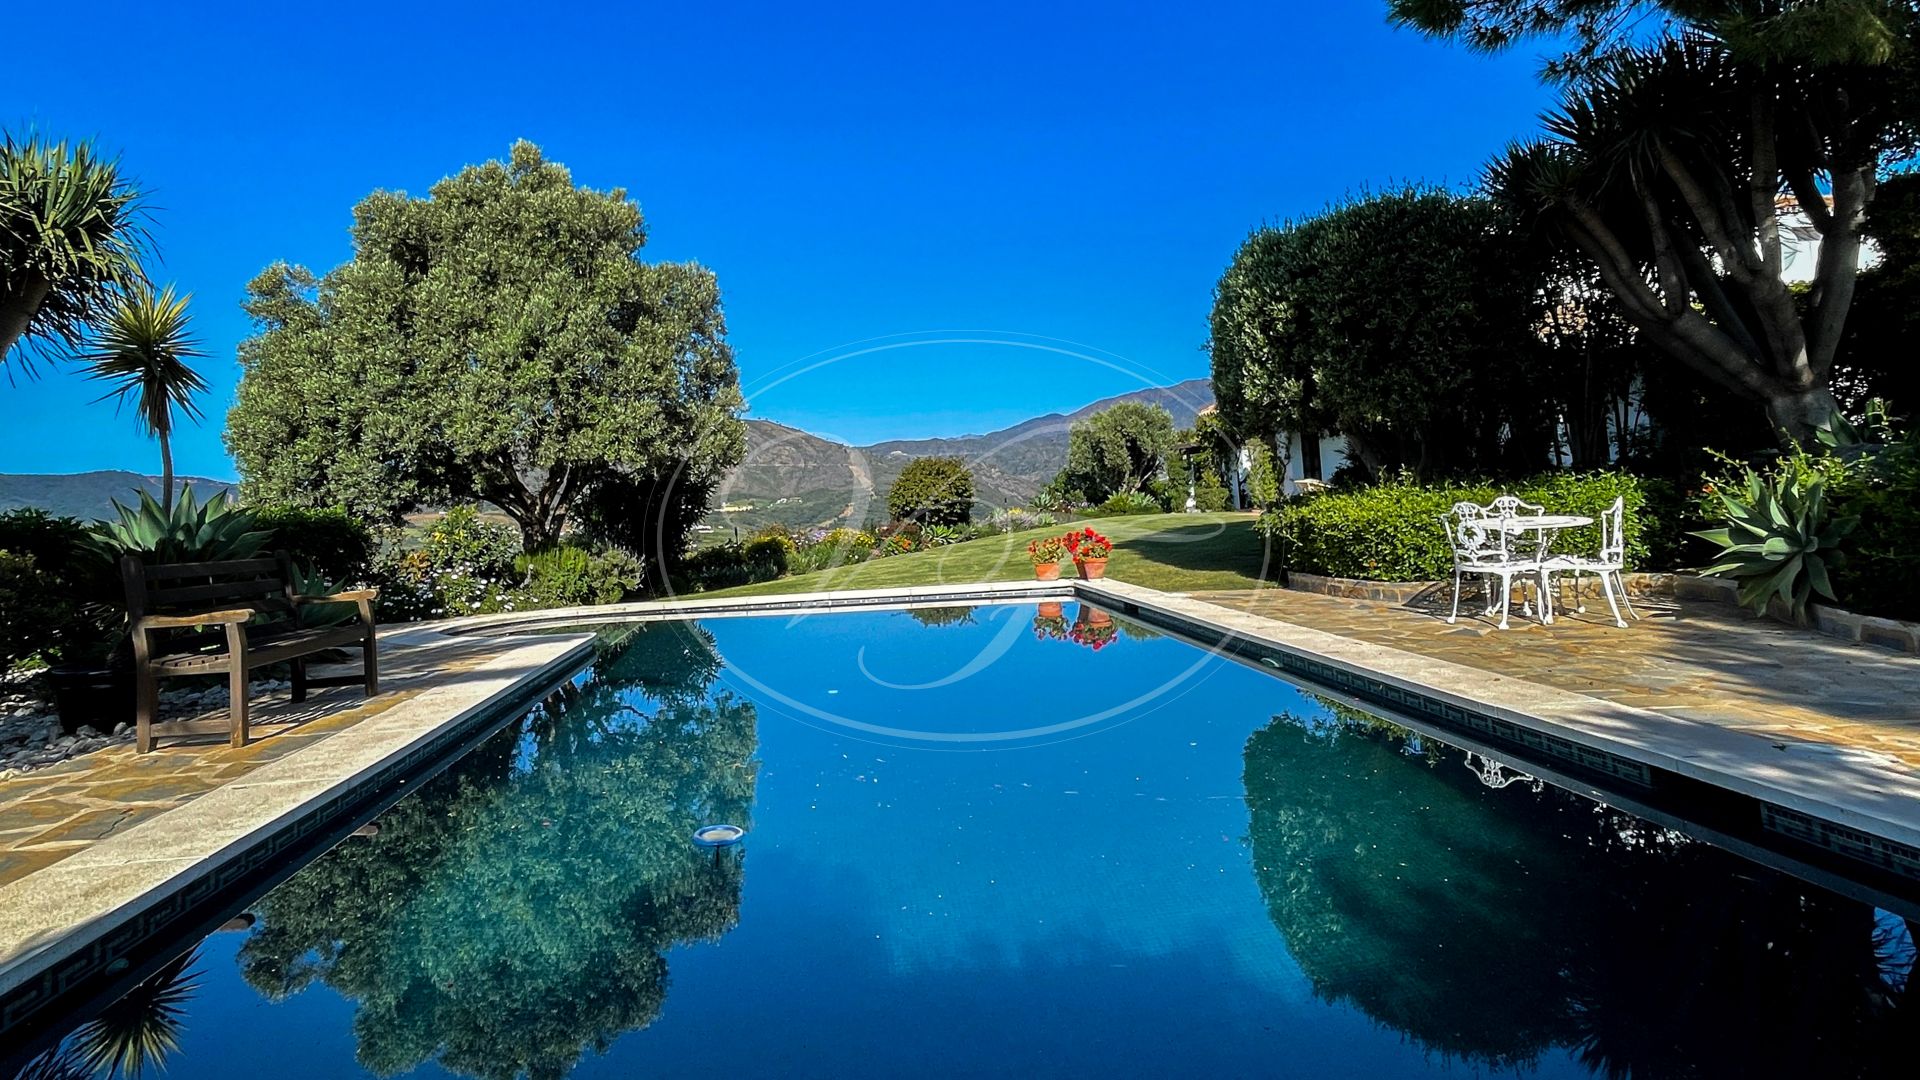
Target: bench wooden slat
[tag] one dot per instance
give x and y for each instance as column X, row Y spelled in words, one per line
column 160, row 599
column 170, row 571
column 298, row 643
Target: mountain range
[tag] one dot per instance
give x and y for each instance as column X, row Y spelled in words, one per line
column 788, row 477
column 90, row 495
column 796, row 479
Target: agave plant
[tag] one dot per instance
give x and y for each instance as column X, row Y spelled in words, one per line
column 188, row 531
column 1780, row 540
column 144, row 1026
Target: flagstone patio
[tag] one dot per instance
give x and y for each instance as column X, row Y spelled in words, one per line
column 1696, row 660
column 52, row 813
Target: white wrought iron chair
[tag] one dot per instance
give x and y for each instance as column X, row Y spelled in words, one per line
column 1485, row 551
column 1608, row 565
column 1514, row 506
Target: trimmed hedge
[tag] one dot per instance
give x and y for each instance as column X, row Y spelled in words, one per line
column 331, row 542
column 1391, row 531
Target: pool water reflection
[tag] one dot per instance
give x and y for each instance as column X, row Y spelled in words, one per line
column 1218, row 874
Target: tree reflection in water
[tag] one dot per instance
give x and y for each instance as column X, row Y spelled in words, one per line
column 514, row 912
column 1492, row 925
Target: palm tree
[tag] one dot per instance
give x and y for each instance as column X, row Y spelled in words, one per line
column 142, row 1028
column 142, row 347
column 70, row 241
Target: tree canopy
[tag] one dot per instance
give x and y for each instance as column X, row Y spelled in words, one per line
column 1667, row 160
column 1403, row 320
column 499, row 339
column 1410, row 887
column 932, row 491
column 1118, row 450
column 518, row 910
column 72, row 230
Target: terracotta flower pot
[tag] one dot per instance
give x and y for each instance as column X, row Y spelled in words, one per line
column 1050, row 609
column 1047, row 571
column 1092, row 568
column 1096, row 617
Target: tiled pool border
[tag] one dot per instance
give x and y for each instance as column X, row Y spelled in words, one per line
column 1863, row 812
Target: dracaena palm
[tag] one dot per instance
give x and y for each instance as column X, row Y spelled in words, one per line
column 141, row 348
column 71, row 235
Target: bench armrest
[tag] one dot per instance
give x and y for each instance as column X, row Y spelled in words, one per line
column 340, row 597
column 209, row 618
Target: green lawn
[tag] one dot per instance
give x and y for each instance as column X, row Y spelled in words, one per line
column 1173, row 552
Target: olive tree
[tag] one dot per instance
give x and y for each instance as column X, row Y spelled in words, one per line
column 1118, row 450
column 932, row 491
column 500, row 340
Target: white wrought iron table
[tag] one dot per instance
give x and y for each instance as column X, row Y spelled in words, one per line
column 1546, row 527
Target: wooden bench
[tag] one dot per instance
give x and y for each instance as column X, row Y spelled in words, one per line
column 212, row 617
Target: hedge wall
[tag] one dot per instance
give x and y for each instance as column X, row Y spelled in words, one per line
column 1392, row 532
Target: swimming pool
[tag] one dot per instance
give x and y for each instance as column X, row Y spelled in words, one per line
column 1012, row 840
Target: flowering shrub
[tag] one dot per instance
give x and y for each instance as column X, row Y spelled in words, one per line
column 823, row 549
column 1017, row 520
column 1086, row 544
column 898, row 538
column 1095, row 630
column 1050, row 627
column 463, row 567
column 1050, row 549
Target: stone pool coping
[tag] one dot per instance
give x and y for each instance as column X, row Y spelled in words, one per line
column 68, row 922
column 1852, row 789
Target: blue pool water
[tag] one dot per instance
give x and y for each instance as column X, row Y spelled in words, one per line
column 979, row 845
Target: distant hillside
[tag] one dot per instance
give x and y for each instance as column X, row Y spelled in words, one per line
column 89, row 495
column 797, row 479
column 789, row 477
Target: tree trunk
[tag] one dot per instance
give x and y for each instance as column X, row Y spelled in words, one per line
column 166, row 474
column 1798, row 414
column 17, row 313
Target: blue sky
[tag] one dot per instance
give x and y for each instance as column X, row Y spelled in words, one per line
column 851, row 172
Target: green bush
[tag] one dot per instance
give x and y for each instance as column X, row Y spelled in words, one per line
column 1391, row 531
column 59, row 594
column 1263, row 476
column 566, row 575
column 331, row 543
column 1210, row 495
column 1881, row 575
column 932, row 491
column 726, row 565
column 1131, row 502
column 30, row 602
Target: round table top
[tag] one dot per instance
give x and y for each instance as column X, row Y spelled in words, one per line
column 1530, row 522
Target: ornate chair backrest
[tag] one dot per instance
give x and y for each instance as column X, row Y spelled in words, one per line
column 1513, row 506
column 1613, row 532
column 1469, row 536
